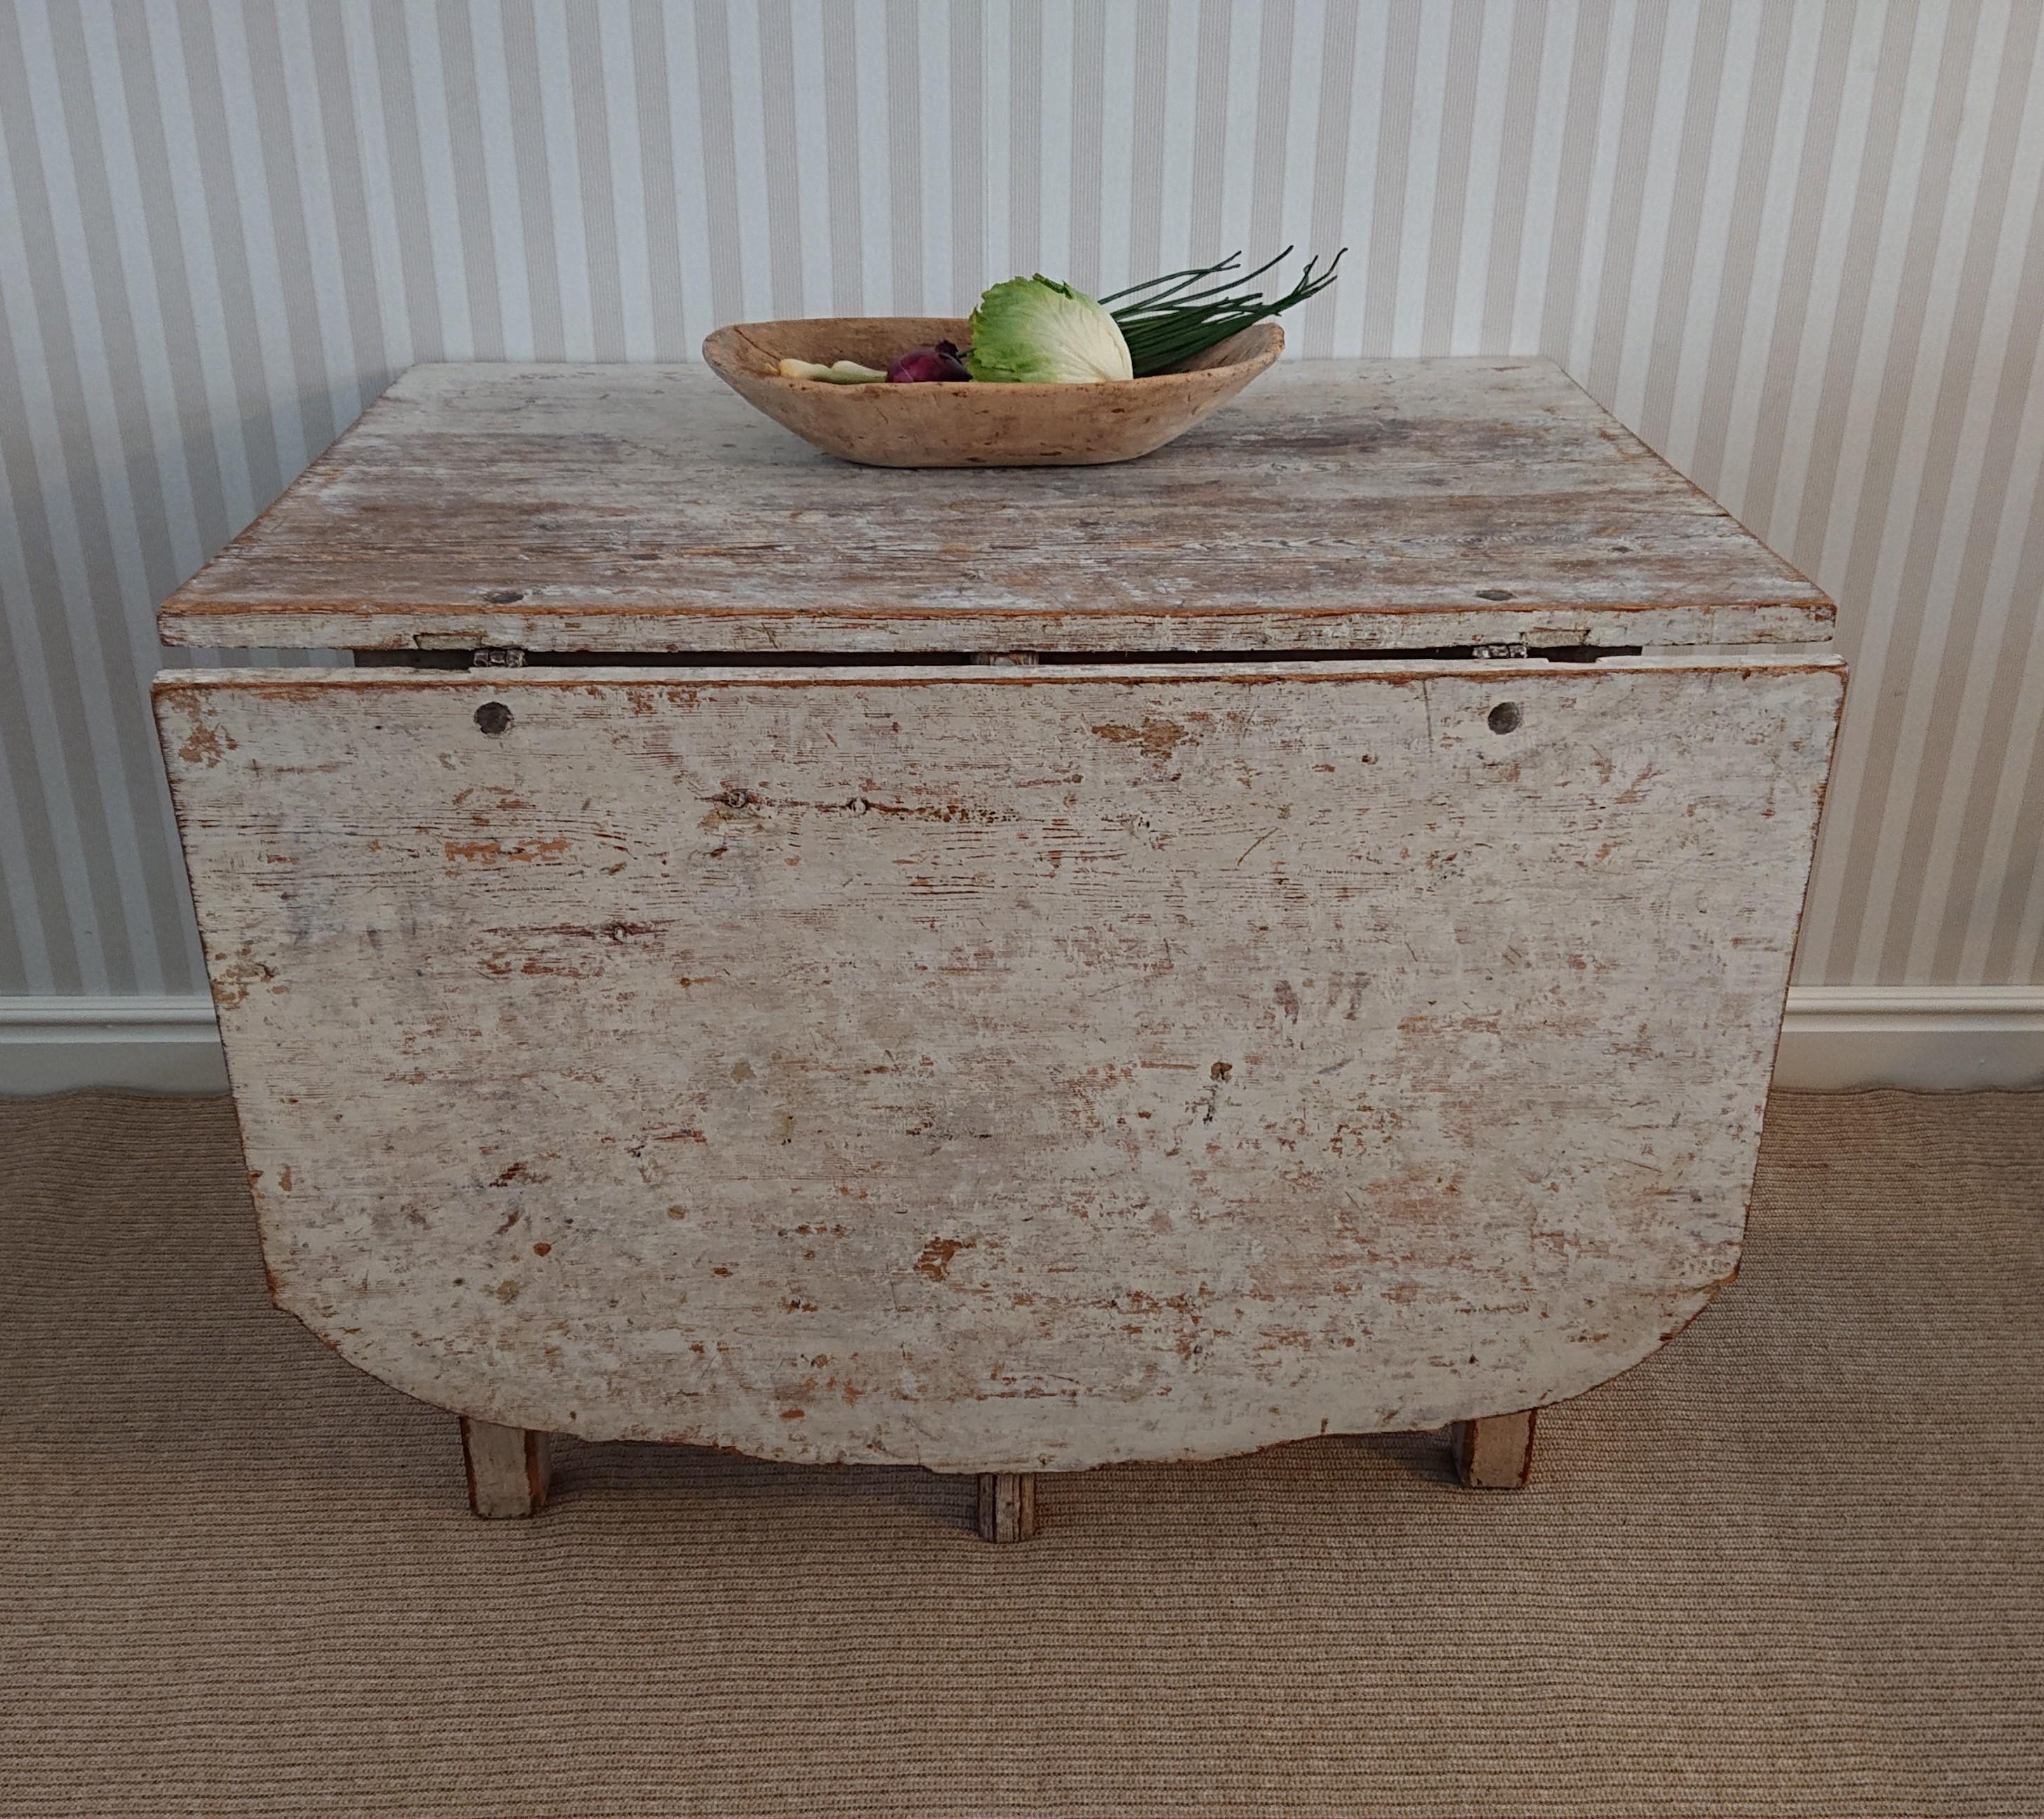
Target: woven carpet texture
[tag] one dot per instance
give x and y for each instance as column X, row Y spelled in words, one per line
column 1794, row 1565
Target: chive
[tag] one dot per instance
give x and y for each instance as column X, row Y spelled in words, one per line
column 1169, row 326
column 1138, row 309
column 1190, row 273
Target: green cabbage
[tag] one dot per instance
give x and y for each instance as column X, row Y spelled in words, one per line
column 1034, row 331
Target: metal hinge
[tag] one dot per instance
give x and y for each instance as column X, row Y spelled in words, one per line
column 1515, row 648
column 498, row 657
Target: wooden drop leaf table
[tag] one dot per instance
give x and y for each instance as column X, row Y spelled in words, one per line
column 998, row 971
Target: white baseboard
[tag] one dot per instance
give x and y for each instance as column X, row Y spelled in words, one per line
column 148, row 1044
column 1837, row 1037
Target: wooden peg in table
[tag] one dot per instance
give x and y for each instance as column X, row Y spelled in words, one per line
column 1007, row 1506
column 1495, row 1453
column 509, row 1468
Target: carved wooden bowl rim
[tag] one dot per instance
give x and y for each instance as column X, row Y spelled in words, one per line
column 968, row 423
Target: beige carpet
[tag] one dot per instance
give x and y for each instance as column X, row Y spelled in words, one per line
column 1793, row 1565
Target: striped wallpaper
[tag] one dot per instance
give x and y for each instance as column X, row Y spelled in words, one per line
column 1795, row 243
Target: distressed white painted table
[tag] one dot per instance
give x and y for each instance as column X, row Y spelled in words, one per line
column 1000, row 971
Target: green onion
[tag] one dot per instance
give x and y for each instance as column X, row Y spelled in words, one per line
column 1165, row 323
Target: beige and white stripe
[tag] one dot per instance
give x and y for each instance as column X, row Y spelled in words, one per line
column 1796, row 243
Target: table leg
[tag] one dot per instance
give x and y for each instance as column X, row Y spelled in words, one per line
column 1495, row 1453
column 507, row 1468
column 1007, row 1506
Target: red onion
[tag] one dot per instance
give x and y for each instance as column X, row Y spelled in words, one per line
column 922, row 366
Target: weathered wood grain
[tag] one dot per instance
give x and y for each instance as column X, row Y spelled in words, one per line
column 1495, row 1452
column 998, row 1068
column 1007, row 1506
column 1336, row 505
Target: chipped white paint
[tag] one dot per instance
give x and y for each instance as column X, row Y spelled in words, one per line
column 998, row 1069
column 1336, row 505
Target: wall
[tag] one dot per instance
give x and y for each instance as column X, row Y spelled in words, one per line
column 1795, row 245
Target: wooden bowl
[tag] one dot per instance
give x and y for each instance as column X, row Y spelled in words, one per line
column 964, row 424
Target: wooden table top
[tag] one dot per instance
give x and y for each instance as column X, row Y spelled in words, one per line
column 1337, row 505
